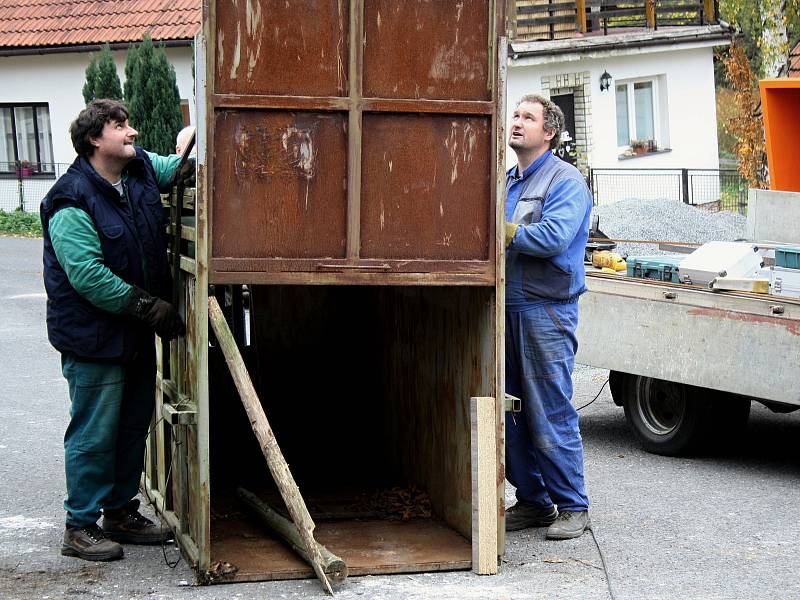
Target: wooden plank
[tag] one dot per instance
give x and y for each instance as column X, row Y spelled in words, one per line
column 184, row 415
column 546, row 8
column 333, row 566
column 484, row 489
column 266, row 101
column 369, row 547
column 405, row 105
column 534, row 22
column 495, row 350
column 348, row 278
column 188, row 265
column 354, row 120
column 269, row 445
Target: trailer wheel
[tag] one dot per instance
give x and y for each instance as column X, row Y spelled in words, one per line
column 667, row 417
column 728, row 416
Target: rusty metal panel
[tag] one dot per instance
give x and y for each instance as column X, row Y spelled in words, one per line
column 427, row 49
column 426, row 187
column 292, row 47
column 280, row 184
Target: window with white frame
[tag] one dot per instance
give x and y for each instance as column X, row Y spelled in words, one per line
column 639, row 114
column 26, row 142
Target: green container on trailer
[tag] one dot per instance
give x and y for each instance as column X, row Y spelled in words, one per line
column 788, row 258
column 660, row 268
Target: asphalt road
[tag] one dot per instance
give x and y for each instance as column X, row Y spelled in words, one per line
column 717, row 526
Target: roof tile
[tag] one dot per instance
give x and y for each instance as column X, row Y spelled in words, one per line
column 43, row 23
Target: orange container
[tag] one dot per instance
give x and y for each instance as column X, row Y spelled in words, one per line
column 780, row 101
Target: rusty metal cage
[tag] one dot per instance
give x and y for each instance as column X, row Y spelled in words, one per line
column 348, row 219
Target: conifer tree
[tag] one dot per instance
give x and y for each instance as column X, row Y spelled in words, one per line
column 153, row 98
column 107, row 81
column 131, row 62
column 91, row 77
column 102, row 80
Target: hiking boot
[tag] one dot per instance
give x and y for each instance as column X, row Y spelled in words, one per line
column 569, row 525
column 128, row 526
column 522, row 516
column 89, row 543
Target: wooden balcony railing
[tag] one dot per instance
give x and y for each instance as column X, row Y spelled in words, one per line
column 557, row 19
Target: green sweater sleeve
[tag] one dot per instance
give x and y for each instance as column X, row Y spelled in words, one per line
column 78, row 250
column 165, row 168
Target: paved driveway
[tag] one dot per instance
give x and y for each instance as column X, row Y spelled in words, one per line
column 707, row 527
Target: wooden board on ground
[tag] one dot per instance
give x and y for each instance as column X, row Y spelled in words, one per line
column 368, row 547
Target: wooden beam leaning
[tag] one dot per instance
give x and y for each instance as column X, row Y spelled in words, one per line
column 266, row 438
column 333, row 566
column 484, row 485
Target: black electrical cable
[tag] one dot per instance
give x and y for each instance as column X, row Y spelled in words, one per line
column 176, row 562
column 595, row 398
column 603, row 561
column 591, row 530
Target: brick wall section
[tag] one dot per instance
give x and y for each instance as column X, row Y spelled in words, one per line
column 579, row 85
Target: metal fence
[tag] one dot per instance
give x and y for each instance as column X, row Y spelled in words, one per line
column 713, row 189
column 23, row 185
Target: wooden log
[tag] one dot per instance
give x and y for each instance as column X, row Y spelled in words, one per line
column 484, row 485
column 333, row 566
column 266, row 438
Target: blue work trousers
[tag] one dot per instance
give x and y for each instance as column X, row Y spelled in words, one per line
column 111, row 410
column 544, row 450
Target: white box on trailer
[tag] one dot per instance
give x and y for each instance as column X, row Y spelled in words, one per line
column 784, row 282
column 720, row 259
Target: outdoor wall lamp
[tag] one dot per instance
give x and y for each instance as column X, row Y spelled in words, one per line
column 605, row 81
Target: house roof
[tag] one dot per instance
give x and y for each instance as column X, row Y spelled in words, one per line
column 619, row 43
column 60, row 23
column 794, row 61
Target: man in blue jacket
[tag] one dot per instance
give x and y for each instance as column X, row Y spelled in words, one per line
column 548, row 208
column 107, row 278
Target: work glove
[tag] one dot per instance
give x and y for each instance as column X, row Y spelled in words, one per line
column 188, row 173
column 159, row 315
column 511, row 229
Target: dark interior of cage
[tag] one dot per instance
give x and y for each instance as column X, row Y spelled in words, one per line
column 366, row 389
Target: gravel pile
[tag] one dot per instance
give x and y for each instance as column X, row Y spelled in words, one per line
column 666, row 220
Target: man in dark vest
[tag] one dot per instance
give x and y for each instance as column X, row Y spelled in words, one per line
column 548, row 207
column 107, row 278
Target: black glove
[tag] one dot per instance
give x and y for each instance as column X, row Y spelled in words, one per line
column 159, row 315
column 188, row 173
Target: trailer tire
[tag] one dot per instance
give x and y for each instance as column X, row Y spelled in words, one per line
column 728, row 417
column 668, row 418
column 616, row 383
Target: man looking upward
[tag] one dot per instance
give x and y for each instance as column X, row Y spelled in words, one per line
column 107, row 278
column 547, row 225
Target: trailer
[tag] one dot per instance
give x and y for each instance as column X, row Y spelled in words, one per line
column 686, row 361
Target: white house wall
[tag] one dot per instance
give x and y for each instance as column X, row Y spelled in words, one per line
column 58, row 79
column 689, row 96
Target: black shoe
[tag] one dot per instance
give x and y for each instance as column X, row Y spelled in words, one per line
column 569, row 525
column 128, row 526
column 89, row 543
column 522, row 516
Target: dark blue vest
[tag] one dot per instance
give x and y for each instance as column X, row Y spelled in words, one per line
column 134, row 248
